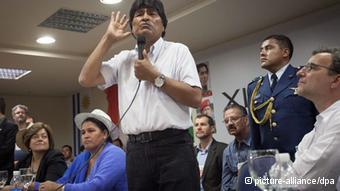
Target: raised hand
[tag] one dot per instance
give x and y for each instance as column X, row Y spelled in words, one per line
column 117, row 27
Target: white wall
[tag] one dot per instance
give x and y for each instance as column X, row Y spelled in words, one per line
column 233, row 65
column 54, row 111
column 57, row 111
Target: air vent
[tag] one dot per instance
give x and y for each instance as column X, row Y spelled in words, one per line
column 71, row 20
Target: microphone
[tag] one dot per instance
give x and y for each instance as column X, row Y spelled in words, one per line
column 140, row 46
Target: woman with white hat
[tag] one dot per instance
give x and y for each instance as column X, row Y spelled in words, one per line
column 101, row 166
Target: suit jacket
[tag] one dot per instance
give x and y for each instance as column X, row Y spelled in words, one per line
column 8, row 131
column 212, row 171
column 52, row 166
column 292, row 116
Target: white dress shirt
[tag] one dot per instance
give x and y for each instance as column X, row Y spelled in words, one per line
column 318, row 154
column 152, row 110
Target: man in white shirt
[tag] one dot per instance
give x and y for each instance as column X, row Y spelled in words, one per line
column 160, row 153
column 318, row 154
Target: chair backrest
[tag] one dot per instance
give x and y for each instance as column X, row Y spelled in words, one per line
column 19, row 155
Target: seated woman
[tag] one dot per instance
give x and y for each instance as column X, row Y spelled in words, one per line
column 101, row 166
column 45, row 162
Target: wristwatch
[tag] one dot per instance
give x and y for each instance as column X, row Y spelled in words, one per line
column 159, row 81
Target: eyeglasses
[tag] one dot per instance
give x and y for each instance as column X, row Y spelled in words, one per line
column 232, row 120
column 311, row 66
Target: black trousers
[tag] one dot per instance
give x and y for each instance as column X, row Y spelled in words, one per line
column 162, row 161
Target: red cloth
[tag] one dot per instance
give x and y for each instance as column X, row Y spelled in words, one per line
column 112, row 99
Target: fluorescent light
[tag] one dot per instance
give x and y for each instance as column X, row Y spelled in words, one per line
column 45, row 40
column 110, row 1
column 12, row 74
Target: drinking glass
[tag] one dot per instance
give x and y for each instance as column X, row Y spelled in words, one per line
column 26, row 180
column 27, row 177
column 260, row 162
column 3, row 178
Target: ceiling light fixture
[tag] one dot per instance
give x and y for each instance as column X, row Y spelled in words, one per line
column 12, row 74
column 110, row 2
column 45, row 40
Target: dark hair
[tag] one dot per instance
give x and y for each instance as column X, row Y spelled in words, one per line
column 335, row 53
column 34, row 129
column 67, row 146
column 154, row 4
column 2, row 105
column 100, row 125
column 242, row 109
column 283, row 41
column 202, row 65
column 211, row 121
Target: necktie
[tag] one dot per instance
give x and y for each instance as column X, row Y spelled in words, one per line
column 274, row 81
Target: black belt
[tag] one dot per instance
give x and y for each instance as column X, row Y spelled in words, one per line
column 155, row 135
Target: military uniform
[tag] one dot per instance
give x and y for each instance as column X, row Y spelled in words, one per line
column 281, row 118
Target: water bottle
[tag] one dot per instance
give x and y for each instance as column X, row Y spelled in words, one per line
column 16, row 181
column 284, row 172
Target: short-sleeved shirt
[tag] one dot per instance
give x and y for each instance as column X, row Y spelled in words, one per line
column 152, row 110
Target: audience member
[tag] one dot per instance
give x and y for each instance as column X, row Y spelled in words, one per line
column 236, row 121
column 29, row 121
column 160, row 149
column 7, row 141
column 68, row 154
column 45, row 162
column 318, row 153
column 279, row 118
column 101, row 166
column 118, row 143
column 209, row 153
column 19, row 115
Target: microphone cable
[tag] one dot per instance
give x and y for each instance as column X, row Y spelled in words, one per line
column 128, row 108
column 86, row 162
column 82, row 166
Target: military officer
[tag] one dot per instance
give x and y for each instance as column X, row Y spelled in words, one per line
column 279, row 118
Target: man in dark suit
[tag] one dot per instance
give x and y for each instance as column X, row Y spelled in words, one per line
column 8, row 131
column 279, row 118
column 209, row 153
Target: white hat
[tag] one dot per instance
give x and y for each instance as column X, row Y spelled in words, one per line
column 99, row 115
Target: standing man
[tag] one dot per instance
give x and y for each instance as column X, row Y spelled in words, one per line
column 19, row 115
column 279, row 118
column 209, row 153
column 236, row 121
column 8, row 131
column 318, row 153
column 160, row 153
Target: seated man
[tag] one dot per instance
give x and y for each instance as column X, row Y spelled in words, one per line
column 236, row 122
column 318, row 153
column 209, row 153
column 68, row 155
